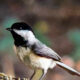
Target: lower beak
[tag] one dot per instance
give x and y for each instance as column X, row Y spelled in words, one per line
column 9, row 29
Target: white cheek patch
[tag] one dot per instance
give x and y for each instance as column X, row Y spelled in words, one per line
column 27, row 35
column 22, row 33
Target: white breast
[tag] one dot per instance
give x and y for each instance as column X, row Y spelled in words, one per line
column 42, row 62
column 22, row 52
column 34, row 60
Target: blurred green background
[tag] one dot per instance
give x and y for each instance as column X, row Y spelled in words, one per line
column 55, row 22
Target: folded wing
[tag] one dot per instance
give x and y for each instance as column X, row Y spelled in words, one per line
column 44, row 51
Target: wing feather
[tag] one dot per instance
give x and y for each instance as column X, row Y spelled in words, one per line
column 44, row 51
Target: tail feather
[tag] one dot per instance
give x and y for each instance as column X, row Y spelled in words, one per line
column 69, row 69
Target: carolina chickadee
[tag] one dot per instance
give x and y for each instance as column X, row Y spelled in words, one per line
column 33, row 52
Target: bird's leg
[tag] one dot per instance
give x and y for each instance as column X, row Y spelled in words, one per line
column 43, row 75
column 33, row 75
column 38, row 75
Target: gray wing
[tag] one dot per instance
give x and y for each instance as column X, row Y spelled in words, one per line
column 44, row 51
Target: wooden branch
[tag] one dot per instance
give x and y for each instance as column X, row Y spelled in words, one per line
column 5, row 77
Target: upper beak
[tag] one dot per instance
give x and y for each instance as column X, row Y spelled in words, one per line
column 9, row 29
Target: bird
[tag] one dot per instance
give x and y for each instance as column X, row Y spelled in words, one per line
column 33, row 53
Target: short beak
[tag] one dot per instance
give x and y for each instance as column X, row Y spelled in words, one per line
column 9, row 29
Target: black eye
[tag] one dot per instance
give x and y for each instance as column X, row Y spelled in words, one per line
column 20, row 28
